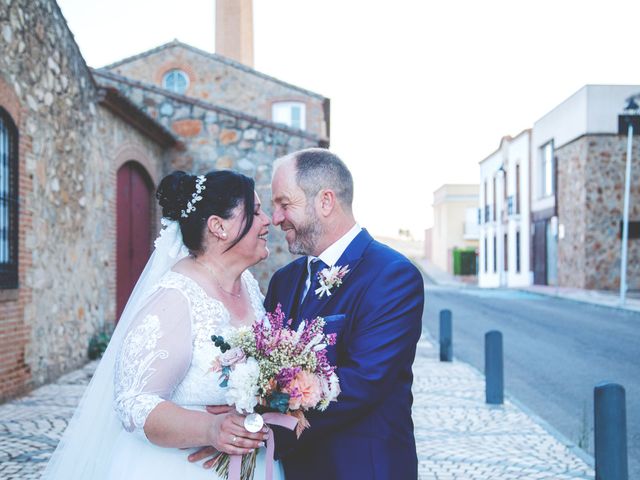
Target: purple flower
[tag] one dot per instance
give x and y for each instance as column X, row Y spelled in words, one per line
column 286, row 375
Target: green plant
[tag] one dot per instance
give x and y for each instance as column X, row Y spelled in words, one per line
column 585, row 431
column 98, row 344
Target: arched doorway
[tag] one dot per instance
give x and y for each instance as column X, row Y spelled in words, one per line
column 133, row 231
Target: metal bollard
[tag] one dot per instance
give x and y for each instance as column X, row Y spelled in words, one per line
column 446, row 336
column 610, row 432
column 493, row 368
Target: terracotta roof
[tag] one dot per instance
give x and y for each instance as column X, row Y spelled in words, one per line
column 121, row 106
column 213, row 56
column 205, row 105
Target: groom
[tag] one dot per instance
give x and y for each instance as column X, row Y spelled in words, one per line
column 376, row 313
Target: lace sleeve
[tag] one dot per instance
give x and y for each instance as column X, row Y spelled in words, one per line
column 154, row 358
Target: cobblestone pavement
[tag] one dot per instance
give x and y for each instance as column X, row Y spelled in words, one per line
column 31, row 426
column 459, row 437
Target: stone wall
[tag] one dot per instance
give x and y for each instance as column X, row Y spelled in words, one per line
column 218, row 138
column 591, row 173
column 67, row 198
column 223, row 82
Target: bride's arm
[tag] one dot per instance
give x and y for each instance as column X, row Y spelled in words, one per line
column 153, row 360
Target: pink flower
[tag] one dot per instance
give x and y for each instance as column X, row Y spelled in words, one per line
column 305, row 390
column 231, row 357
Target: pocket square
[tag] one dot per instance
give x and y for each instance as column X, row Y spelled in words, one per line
column 334, row 318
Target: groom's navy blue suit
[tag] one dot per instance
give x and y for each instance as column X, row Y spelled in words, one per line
column 377, row 316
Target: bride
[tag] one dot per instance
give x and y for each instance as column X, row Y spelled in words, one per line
column 145, row 403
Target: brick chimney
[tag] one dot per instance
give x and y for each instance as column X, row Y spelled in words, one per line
column 234, row 30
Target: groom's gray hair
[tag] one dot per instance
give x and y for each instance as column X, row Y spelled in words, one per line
column 318, row 169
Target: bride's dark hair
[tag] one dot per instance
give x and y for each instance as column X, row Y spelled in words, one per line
column 225, row 190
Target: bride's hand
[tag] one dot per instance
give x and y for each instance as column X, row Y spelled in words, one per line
column 227, row 434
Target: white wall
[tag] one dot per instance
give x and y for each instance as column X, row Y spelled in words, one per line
column 488, row 170
column 518, row 154
column 511, row 153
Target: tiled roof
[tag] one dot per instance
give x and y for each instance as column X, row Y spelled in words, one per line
column 202, row 104
column 213, row 56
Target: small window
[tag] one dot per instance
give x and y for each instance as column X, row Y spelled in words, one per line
column 547, row 170
column 486, row 256
column 292, row 114
column 176, row 81
column 517, row 252
column 495, row 254
column 634, row 229
column 8, row 202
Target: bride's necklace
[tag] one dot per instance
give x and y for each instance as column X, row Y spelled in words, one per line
column 213, row 274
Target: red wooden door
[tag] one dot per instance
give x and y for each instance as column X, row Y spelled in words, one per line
column 133, row 240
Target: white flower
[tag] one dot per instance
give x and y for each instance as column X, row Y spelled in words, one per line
column 330, row 388
column 243, row 386
column 330, row 278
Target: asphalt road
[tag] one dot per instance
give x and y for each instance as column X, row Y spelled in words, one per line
column 555, row 352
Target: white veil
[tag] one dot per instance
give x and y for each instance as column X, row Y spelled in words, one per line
column 85, row 450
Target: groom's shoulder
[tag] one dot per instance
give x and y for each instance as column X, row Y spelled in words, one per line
column 382, row 254
column 290, row 267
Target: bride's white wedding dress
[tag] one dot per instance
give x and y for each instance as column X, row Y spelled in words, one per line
column 167, row 354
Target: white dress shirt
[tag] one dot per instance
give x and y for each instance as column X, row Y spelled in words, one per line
column 333, row 253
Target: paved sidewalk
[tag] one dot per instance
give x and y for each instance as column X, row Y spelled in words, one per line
column 595, row 297
column 459, row 437
column 609, row 299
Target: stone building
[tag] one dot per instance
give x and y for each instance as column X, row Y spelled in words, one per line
column 578, row 153
column 504, row 258
column 80, row 154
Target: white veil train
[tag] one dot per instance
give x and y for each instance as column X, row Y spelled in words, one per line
column 85, row 450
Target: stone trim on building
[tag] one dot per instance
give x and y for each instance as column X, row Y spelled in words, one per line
column 213, row 56
column 15, row 374
column 175, row 64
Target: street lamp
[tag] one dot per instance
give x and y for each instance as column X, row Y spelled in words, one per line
column 631, row 109
column 499, row 226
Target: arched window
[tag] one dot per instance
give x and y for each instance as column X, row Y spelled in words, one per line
column 8, row 202
column 292, row 114
column 176, row 81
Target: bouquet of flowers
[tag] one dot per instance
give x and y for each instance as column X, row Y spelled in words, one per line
column 269, row 367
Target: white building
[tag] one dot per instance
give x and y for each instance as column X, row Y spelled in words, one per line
column 505, row 207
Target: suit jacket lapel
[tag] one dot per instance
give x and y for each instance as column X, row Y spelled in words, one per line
column 352, row 257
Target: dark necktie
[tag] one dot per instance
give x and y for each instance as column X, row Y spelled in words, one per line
column 314, row 268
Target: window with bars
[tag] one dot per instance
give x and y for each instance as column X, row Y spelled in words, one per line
column 8, row 202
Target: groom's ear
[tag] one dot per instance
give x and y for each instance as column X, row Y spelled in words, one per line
column 326, row 202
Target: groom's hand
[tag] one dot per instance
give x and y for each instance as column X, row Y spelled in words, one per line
column 219, row 409
column 205, row 452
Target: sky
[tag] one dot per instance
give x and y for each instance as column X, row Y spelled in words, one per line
column 421, row 90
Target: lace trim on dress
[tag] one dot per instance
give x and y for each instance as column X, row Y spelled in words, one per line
column 134, row 371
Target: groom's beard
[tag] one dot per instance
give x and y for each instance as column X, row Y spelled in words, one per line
column 307, row 234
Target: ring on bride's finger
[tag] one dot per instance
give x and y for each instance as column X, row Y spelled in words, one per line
column 233, row 440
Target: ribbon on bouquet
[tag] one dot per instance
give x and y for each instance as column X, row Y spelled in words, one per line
column 280, row 419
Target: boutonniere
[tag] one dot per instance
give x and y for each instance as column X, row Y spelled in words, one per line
column 330, row 278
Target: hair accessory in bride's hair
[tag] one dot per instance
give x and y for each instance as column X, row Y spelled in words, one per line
column 195, row 197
